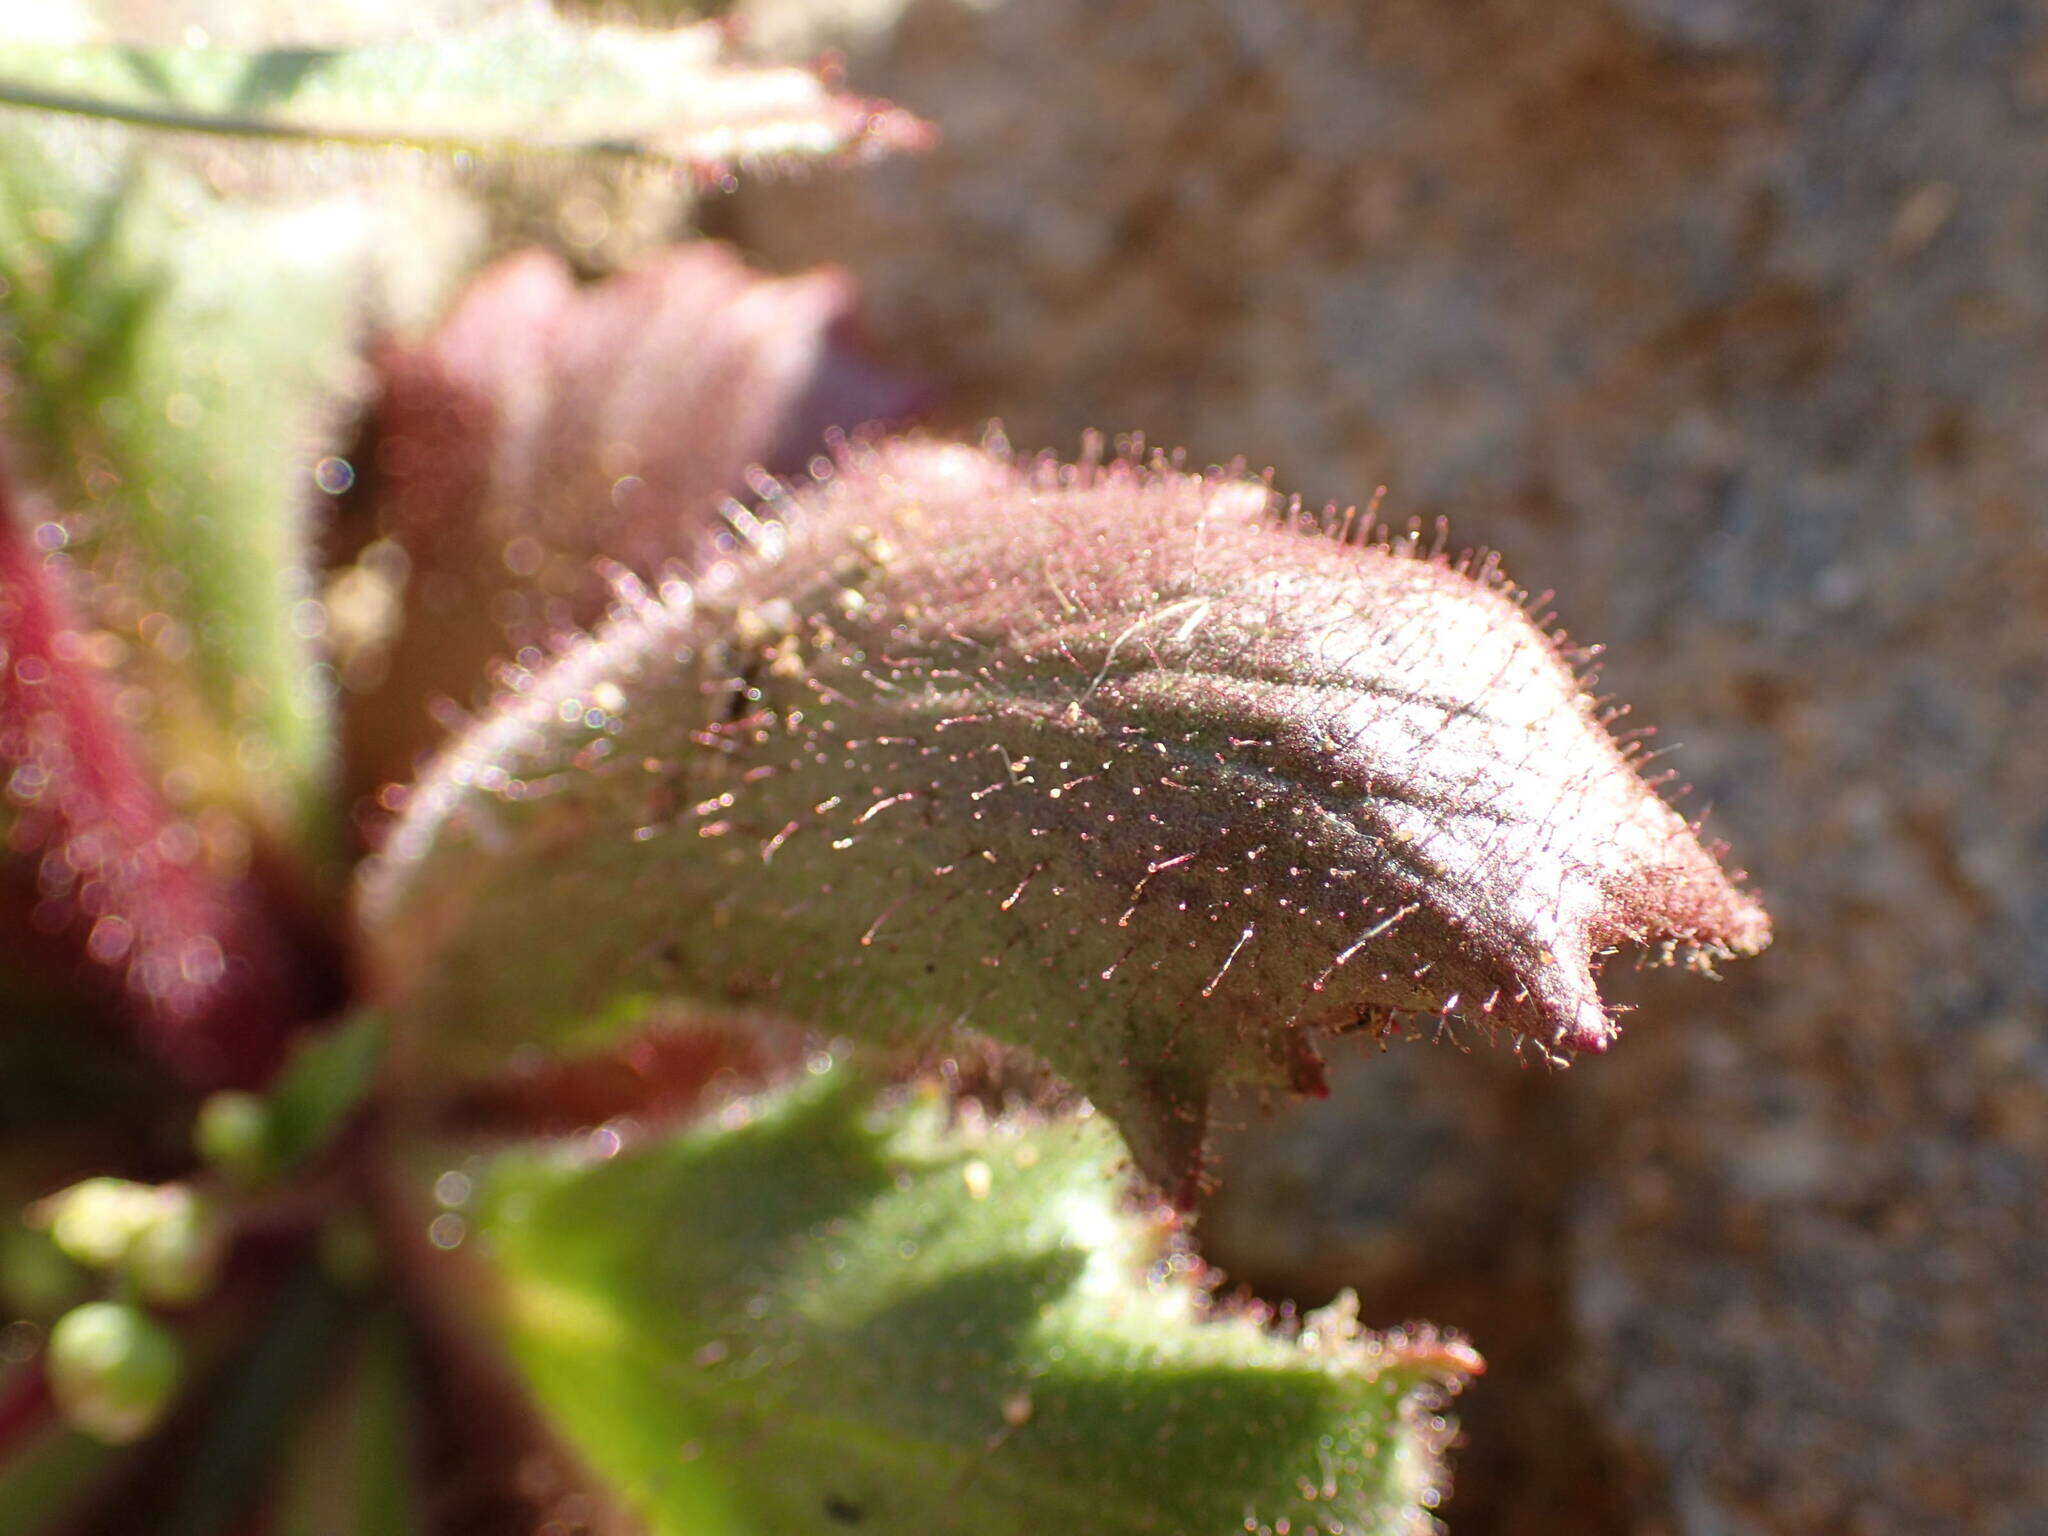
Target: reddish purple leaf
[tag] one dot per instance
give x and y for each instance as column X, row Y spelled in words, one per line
column 1128, row 767
column 95, row 869
column 546, row 425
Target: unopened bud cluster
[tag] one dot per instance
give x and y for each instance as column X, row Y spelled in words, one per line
column 162, row 1240
column 112, row 1368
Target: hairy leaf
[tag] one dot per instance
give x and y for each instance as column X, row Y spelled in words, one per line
column 544, row 425
column 518, row 83
column 818, row 1315
column 94, row 869
column 1122, row 765
column 168, row 362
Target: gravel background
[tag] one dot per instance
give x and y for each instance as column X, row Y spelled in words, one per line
column 1727, row 321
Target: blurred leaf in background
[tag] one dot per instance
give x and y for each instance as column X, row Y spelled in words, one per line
column 543, row 426
column 173, row 364
column 181, row 361
column 97, row 874
column 523, row 83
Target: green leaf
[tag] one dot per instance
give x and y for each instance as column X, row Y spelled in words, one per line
column 827, row 1312
column 327, row 1078
column 1126, row 767
column 523, row 83
column 257, row 1406
column 172, row 360
column 350, row 1466
column 255, row 1141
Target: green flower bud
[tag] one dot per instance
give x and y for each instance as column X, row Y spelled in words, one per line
column 232, row 1135
column 112, row 1370
column 174, row 1257
column 96, row 1221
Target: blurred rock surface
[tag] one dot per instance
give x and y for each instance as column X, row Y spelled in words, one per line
column 1727, row 320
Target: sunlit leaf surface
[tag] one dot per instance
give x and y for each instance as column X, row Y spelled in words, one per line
column 523, row 83
column 1124, row 766
column 819, row 1315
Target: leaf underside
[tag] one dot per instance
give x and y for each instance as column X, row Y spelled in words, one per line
column 818, row 1314
column 1127, row 767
